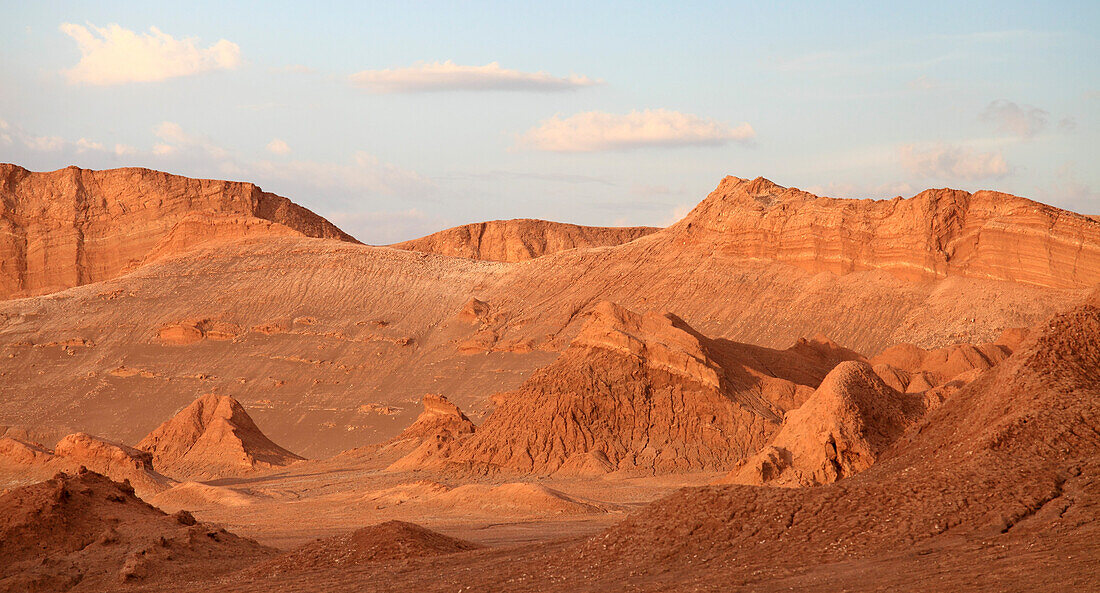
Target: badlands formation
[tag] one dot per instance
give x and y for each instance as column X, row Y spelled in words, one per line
column 780, row 391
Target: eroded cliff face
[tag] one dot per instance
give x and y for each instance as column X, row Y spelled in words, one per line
column 935, row 234
column 520, row 239
column 75, row 226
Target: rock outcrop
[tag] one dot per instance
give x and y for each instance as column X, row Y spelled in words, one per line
column 520, row 239
column 434, row 430
column 23, row 461
column 75, row 226
column 851, row 418
column 641, row 392
column 84, row 529
column 213, row 437
column 933, row 235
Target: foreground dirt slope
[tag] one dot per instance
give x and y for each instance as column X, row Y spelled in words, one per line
column 331, row 345
column 77, row 226
column 520, row 239
column 997, row 490
column 84, row 532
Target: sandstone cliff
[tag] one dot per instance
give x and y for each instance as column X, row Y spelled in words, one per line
column 935, row 234
column 520, row 239
column 75, row 226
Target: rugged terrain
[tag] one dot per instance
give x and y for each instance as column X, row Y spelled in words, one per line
column 331, row 345
column 779, row 391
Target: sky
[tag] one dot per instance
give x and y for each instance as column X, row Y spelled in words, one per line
column 395, row 120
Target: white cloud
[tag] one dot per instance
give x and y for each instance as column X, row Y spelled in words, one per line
column 5, row 137
column 124, row 150
column 448, row 76
column 678, row 213
column 84, row 144
column 924, row 83
column 113, row 55
column 277, row 146
column 952, row 162
column 173, row 139
column 44, row 143
column 1024, row 121
column 596, row 130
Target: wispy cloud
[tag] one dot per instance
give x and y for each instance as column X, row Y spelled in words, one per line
column 949, row 162
column 448, row 76
column 596, row 131
column 114, row 55
column 1023, row 121
column 278, row 146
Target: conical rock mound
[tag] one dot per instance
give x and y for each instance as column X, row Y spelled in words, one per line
column 840, row 431
column 211, row 438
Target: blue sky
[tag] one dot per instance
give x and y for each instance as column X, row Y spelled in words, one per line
column 398, row 119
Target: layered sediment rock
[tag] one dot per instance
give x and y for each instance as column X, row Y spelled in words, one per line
column 935, row 234
column 75, row 226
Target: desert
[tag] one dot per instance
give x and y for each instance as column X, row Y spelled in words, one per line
column 851, row 346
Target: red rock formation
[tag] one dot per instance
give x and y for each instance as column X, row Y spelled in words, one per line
column 641, row 392
column 935, row 234
column 23, row 461
column 75, row 226
column 520, row 239
column 435, row 429
column 87, row 530
column 841, row 430
column 211, row 438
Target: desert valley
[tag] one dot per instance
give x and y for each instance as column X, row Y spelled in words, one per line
column 207, row 386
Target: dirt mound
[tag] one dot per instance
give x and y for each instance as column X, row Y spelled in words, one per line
column 22, row 462
column 908, row 368
column 87, row 531
column 76, row 226
column 935, row 234
column 840, row 431
column 211, row 438
column 392, row 540
column 520, row 239
column 641, row 392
